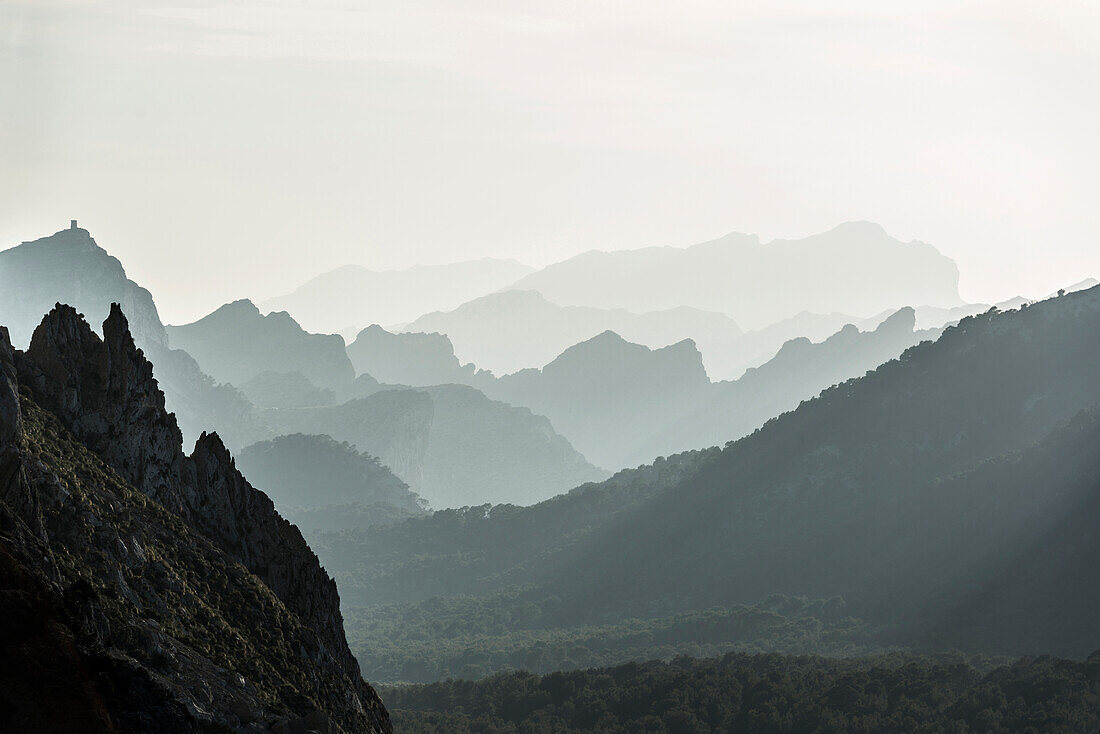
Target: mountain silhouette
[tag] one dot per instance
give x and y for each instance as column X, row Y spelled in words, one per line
column 756, row 283
column 407, row 358
column 236, row 343
column 512, row 330
column 621, row 404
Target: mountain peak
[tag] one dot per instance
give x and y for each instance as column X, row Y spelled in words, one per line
column 859, row 227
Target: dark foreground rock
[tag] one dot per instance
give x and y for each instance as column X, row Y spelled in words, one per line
column 143, row 589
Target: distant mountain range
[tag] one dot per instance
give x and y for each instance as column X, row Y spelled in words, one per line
column 752, row 284
column 355, row 297
column 756, row 283
column 512, row 330
column 621, row 404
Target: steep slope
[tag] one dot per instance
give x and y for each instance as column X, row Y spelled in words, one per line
column 513, row 330
column 69, row 267
column 407, row 358
column 757, row 284
column 196, row 603
column 319, row 483
column 236, row 343
column 353, row 296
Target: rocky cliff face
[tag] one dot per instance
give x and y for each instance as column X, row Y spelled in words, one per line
column 175, row 579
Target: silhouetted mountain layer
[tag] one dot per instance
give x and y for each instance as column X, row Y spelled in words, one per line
column 236, row 343
column 353, row 296
column 758, row 284
column 320, row 483
column 608, row 395
column 146, row 588
column 413, row 359
column 621, row 404
column 949, row 497
column 513, row 330
column 453, row 445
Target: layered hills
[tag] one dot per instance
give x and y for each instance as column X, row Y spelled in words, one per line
column 264, row 376
column 144, row 587
column 318, row 482
column 512, row 330
column 946, row 498
column 452, row 444
column 621, row 404
column 758, row 283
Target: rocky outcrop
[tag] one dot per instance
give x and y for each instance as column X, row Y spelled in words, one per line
column 101, row 447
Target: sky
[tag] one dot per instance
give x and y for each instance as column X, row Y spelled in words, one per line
column 235, row 149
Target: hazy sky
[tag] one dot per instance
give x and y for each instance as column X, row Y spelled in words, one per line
column 228, row 149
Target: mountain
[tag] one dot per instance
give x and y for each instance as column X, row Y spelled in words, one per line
column 355, row 296
column 608, row 395
column 319, row 483
column 621, row 404
column 452, row 444
column 758, row 284
column 236, row 343
column 69, row 267
column 143, row 587
column 512, row 330
column 947, row 498
column 799, row 371
column 407, row 358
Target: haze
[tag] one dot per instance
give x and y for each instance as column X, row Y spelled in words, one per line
column 230, row 150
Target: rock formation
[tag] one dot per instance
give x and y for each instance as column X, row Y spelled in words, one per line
column 193, row 602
